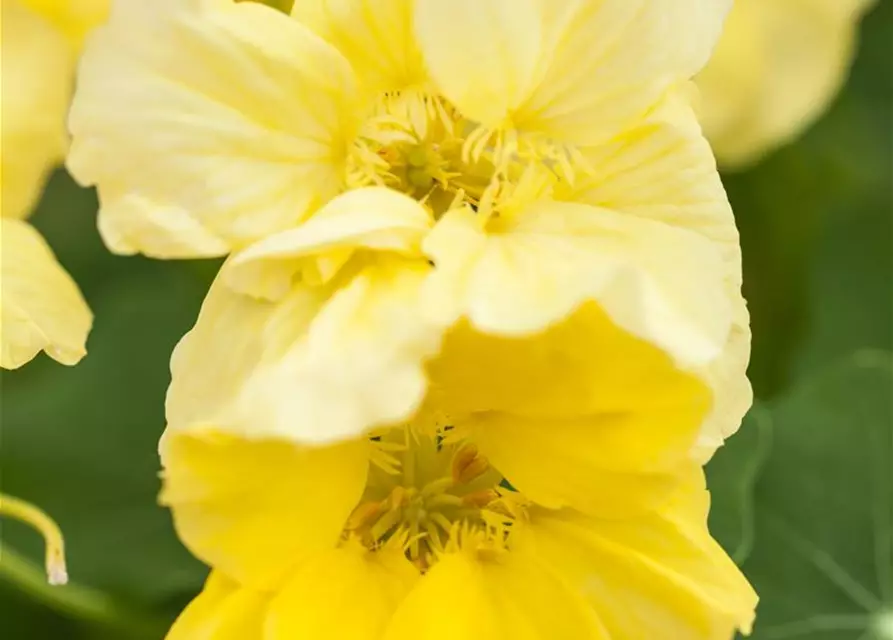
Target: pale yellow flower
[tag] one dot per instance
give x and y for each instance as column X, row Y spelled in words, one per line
column 407, row 537
column 548, row 162
column 778, row 66
column 74, row 18
column 42, row 308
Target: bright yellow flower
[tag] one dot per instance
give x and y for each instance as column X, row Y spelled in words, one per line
column 42, row 308
column 777, row 67
column 553, row 155
column 408, row 537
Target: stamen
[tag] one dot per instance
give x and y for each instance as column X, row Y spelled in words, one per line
column 468, row 464
column 26, row 512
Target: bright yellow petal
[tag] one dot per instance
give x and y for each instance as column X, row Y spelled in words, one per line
column 605, row 62
column 37, row 76
column 74, row 18
column 775, row 71
column 348, row 592
column 372, row 218
column 360, row 364
column 483, row 56
column 657, row 576
column 509, row 597
column 42, row 307
column 244, row 119
column 222, row 611
column 610, row 465
column 254, row 509
column 375, row 35
column 663, row 170
column 661, row 283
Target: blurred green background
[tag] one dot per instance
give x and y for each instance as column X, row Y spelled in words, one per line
column 803, row 496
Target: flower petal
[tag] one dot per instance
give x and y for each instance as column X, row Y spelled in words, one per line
column 463, row 596
column 664, row 170
column 657, row 576
column 606, row 62
column 658, row 282
column 232, row 337
column 343, row 593
column 42, row 308
column 360, row 365
column 255, row 508
column 373, row 218
column 222, row 611
column 482, row 56
column 244, row 119
column 776, row 69
column 375, row 35
column 37, row 70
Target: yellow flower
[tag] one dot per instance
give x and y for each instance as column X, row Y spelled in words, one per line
column 777, row 67
column 411, row 537
column 42, row 308
column 548, row 162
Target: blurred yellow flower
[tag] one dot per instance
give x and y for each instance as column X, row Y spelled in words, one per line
column 777, row 67
column 411, row 537
column 536, row 171
column 42, row 308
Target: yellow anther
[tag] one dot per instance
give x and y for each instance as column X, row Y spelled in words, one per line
column 52, row 535
column 480, row 499
column 364, row 515
column 468, row 464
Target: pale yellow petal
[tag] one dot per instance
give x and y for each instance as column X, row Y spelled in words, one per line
column 232, row 337
column 483, row 56
column 37, row 77
column 657, row 576
column 360, row 364
column 372, row 218
column 464, row 596
column 348, row 592
column 606, row 62
column 74, row 18
column 222, row 611
column 663, row 170
column 244, row 118
column 661, row 283
column 375, row 35
column 254, row 509
column 775, row 71
column 42, row 307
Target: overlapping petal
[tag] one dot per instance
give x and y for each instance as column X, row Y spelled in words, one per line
column 348, row 592
column 42, row 308
column 661, row 575
column 244, row 118
column 468, row 596
column 661, row 283
column 374, row 35
column 37, row 67
column 223, row 611
column 255, row 508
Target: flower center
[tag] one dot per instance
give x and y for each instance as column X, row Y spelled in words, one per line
column 421, row 145
column 429, row 494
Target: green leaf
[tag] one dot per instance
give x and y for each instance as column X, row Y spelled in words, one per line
column 732, row 476
column 822, row 561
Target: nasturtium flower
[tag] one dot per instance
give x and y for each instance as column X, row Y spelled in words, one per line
column 42, row 308
column 549, row 163
column 777, row 67
column 408, row 536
